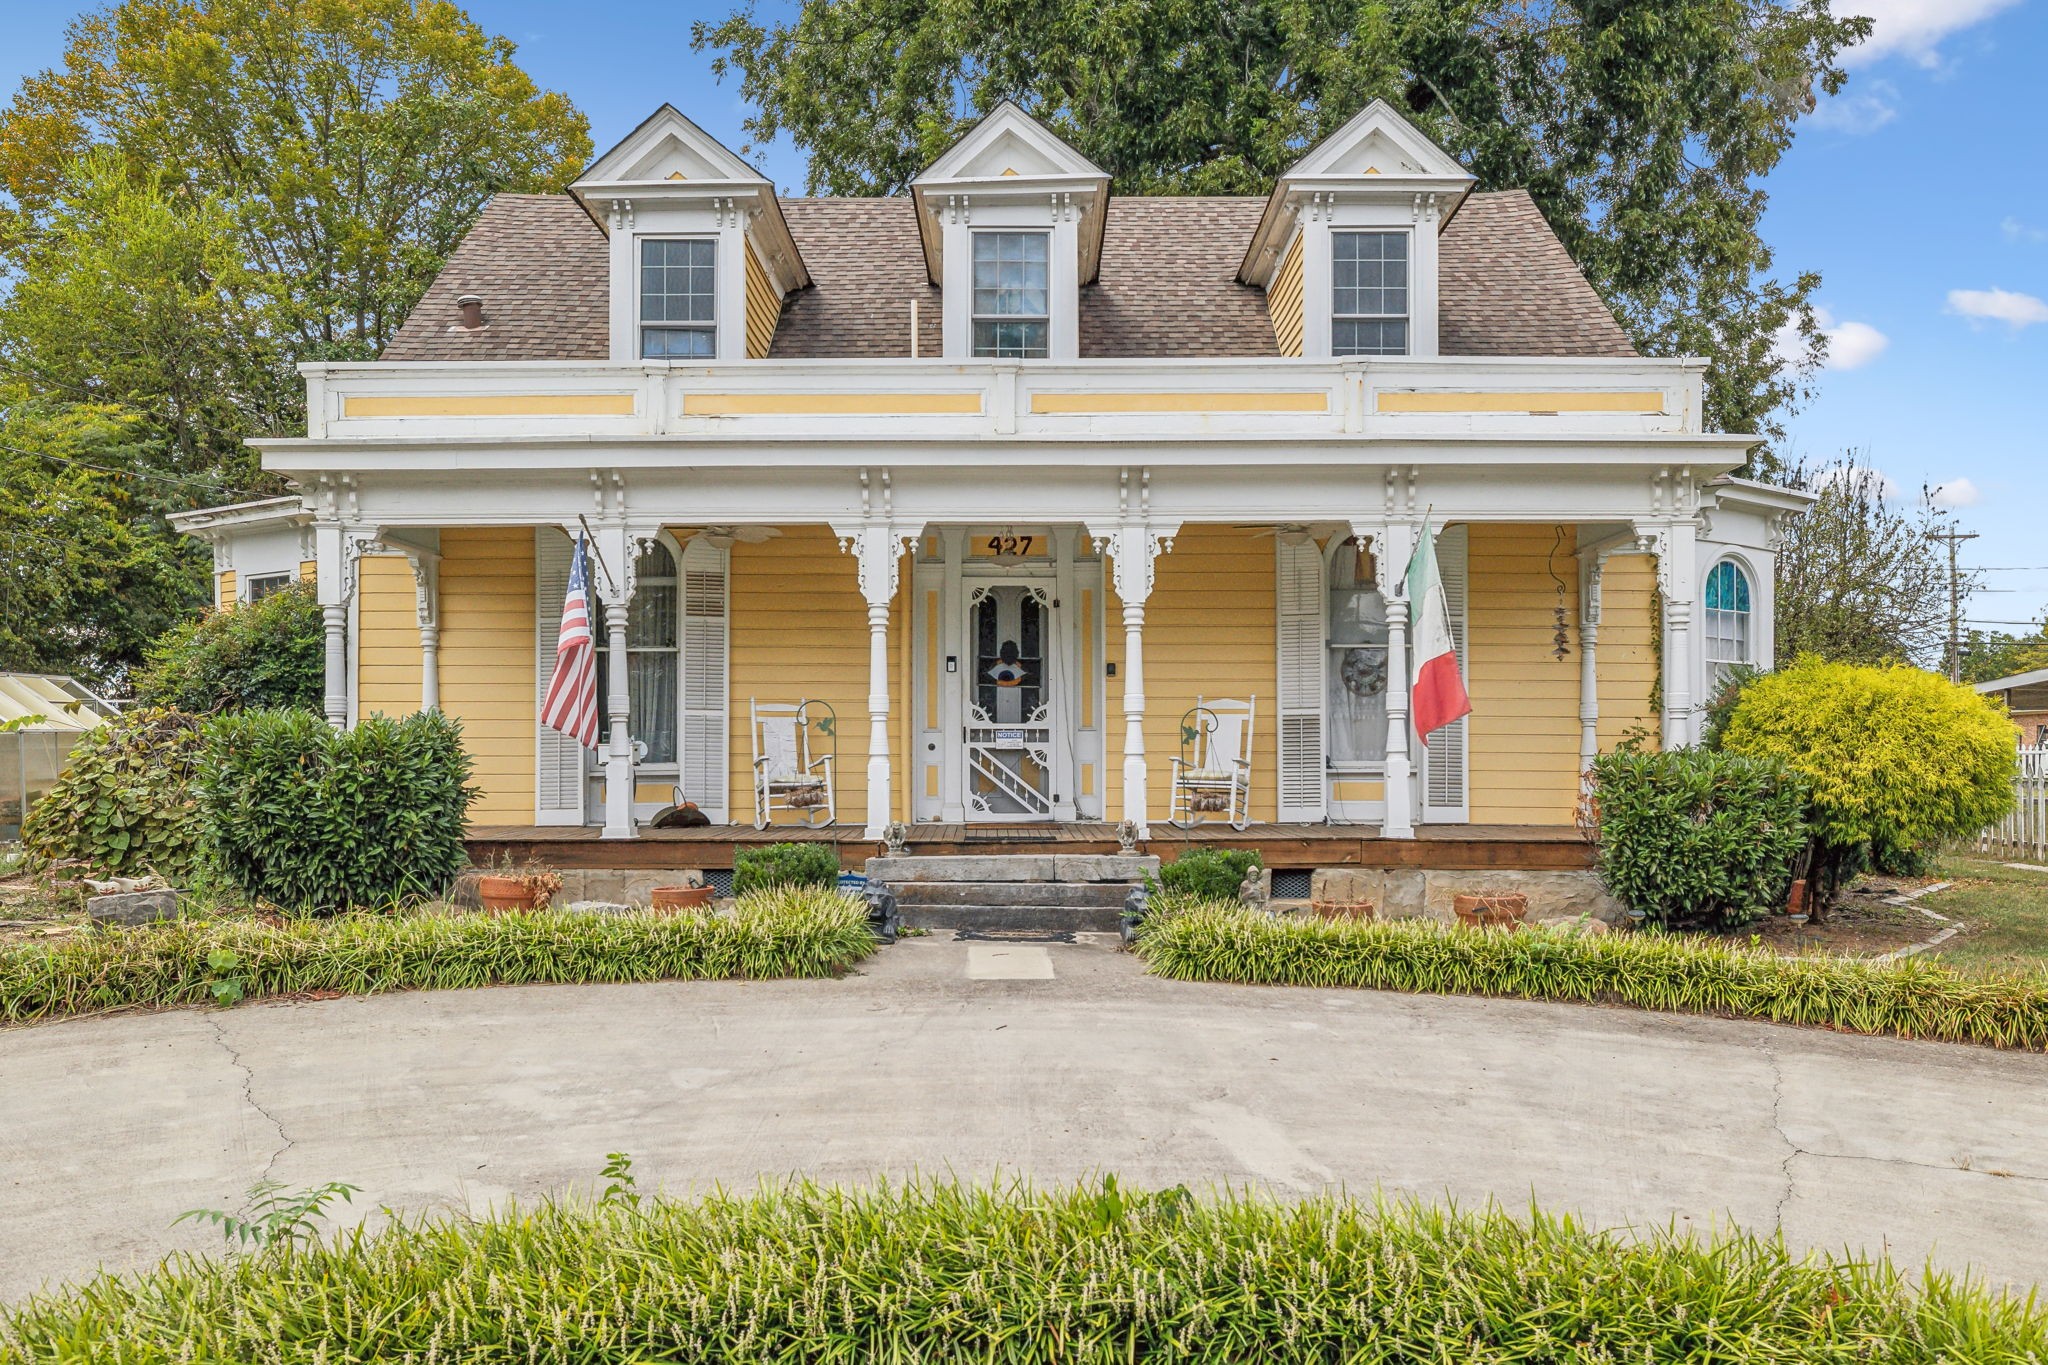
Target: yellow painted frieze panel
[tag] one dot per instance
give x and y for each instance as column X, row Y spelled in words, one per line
column 488, row 405
column 830, row 404
column 1410, row 400
column 1102, row 404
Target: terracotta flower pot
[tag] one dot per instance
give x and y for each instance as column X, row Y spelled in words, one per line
column 1343, row 910
column 500, row 894
column 672, row 898
column 1795, row 904
column 1491, row 910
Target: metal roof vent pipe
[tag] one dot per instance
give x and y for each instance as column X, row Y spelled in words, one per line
column 472, row 306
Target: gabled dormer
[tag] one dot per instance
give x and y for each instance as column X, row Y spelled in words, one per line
column 1011, row 222
column 1347, row 247
column 701, row 258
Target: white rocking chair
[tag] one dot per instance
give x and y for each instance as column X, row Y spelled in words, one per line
column 786, row 776
column 1212, row 777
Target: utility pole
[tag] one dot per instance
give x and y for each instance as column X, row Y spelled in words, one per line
column 1955, row 600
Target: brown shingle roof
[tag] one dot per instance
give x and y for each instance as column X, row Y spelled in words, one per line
column 1507, row 286
column 1168, row 284
column 541, row 266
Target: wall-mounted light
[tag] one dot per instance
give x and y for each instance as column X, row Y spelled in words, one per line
column 952, row 663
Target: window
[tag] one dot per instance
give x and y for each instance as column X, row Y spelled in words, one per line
column 1726, row 618
column 1357, row 673
column 1012, row 289
column 1369, row 293
column 653, row 662
column 260, row 586
column 677, row 317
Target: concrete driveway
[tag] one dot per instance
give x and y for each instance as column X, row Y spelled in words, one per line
column 978, row 1059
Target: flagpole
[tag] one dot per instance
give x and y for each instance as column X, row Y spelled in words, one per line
column 590, row 538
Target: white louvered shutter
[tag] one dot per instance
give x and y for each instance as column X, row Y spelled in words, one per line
column 1446, row 760
column 705, row 728
column 558, row 775
column 1303, row 791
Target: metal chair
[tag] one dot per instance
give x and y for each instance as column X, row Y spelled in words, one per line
column 1212, row 776
column 787, row 777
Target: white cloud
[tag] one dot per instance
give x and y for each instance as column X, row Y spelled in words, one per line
column 1854, row 476
column 1954, row 493
column 2016, row 231
column 1859, row 110
column 1914, row 28
column 1850, row 345
column 1997, row 305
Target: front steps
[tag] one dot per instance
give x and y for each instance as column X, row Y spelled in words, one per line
column 1039, row 893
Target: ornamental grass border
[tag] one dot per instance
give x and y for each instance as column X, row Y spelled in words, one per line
column 943, row 1272
column 1911, row 998
column 775, row 933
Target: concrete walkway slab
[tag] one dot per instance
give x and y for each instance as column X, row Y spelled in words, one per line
column 111, row 1127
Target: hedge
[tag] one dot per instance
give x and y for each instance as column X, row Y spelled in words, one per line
column 197, row 962
column 946, row 1273
column 1910, row 998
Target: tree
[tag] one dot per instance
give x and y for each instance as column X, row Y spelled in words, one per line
column 1859, row 580
column 269, row 653
column 1644, row 130
column 1989, row 654
column 129, row 294
column 351, row 141
column 89, row 571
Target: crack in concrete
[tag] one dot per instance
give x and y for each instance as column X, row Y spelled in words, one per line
column 285, row 1140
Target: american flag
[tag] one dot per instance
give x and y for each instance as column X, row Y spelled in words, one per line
column 571, row 703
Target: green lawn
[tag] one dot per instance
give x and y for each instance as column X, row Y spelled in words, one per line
column 2004, row 911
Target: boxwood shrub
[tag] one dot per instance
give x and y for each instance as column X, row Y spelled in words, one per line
column 791, row 864
column 1697, row 839
column 308, row 817
column 1208, row 873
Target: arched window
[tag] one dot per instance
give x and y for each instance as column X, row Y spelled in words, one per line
column 1356, row 676
column 1726, row 619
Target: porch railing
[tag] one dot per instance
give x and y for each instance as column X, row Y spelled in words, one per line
column 2023, row 835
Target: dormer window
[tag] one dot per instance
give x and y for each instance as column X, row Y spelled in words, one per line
column 1369, row 293
column 678, row 298
column 1012, row 295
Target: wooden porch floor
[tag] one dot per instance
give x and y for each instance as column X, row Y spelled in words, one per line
column 1528, row 848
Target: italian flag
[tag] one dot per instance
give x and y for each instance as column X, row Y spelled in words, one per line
column 1439, row 693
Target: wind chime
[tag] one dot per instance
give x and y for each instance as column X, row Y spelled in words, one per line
column 1561, row 646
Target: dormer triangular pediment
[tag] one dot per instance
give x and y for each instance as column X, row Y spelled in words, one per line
column 1009, row 143
column 667, row 147
column 1378, row 143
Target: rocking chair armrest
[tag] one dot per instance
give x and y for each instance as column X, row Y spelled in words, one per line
column 823, row 761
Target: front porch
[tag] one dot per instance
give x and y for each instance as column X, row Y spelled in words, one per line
column 1282, row 847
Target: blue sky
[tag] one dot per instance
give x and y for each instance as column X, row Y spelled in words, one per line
column 1917, row 194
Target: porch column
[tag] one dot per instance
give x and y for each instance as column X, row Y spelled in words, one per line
column 1673, row 543
column 1592, row 570
column 614, row 551
column 878, row 551
column 1132, row 550
column 1393, row 545
column 426, row 577
column 337, row 550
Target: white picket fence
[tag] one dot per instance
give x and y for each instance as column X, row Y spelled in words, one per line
column 2023, row 835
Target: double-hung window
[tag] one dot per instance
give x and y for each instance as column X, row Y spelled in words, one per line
column 1727, row 620
column 260, row 586
column 678, row 320
column 1369, row 293
column 1012, row 295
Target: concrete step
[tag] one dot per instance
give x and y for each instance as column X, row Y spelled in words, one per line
column 1019, row 917
column 1013, row 867
column 1041, row 895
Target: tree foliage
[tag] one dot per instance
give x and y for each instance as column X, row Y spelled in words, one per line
column 265, row 654
column 1643, row 130
column 1893, row 757
column 89, row 571
column 1859, row 580
column 1989, row 654
column 349, row 143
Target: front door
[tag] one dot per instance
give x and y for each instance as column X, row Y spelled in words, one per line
column 1011, row 703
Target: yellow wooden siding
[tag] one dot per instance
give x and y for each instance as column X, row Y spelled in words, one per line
column 764, row 307
column 224, row 589
column 1284, row 301
column 387, row 638
column 487, row 662
column 1627, row 649
column 1525, row 702
column 799, row 631
column 1209, row 631
column 309, row 570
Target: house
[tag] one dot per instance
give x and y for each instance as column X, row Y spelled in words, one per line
column 2026, row 696
column 258, row 547
column 1007, row 475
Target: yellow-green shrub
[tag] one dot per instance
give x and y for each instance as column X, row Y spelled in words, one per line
column 1893, row 757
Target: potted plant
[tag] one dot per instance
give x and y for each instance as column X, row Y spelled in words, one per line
column 687, row 896
column 1491, row 909
column 506, row 888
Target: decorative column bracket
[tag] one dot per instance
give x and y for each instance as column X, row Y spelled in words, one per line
column 426, row 578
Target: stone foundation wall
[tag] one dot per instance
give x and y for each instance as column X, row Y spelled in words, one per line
column 1411, row 893
column 615, row 886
